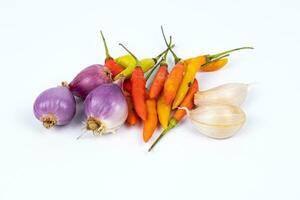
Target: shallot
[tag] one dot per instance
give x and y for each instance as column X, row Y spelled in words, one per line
column 88, row 79
column 105, row 109
column 55, row 106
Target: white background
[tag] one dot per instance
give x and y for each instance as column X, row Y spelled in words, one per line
column 45, row 42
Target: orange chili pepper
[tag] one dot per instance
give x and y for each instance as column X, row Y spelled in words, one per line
column 159, row 81
column 150, row 123
column 214, row 66
column 161, row 76
column 174, row 79
column 132, row 117
column 173, row 82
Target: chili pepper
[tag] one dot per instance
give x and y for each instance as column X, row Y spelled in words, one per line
column 132, row 117
column 138, row 90
column 159, row 80
column 127, row 85
column 148, row 63
column 126, row 61
column 172, row 83
column 174, row 79
column 218, row 55
column 193, row 66
column 151, row 123
column 214, row 66
column 163, row 111
column 145, row 64
column 160, row 77
column 188, row 102
column 188, row 79
column 110, row 63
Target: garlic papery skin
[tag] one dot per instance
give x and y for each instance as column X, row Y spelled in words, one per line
column 218, row 120
column 230, row 93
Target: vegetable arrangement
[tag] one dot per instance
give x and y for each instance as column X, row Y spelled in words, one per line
column 115, row 93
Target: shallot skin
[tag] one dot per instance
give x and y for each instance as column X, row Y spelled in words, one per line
column 88, row 79
column 55, row 106
column 105, row 108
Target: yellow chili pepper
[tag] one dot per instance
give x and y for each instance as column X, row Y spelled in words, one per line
column 146, row 64
column 126, row 72
column 126, row 61
column 163, row 112
column 189, row 76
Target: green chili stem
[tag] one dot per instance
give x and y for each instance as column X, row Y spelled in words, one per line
column 172, row 124
column 162, row 61
column 162, row 53
column 105, row 46
column 153, row 69
column 174, row 55
column 164, row 58
column 210, row 57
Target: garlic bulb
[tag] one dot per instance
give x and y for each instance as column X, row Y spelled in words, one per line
column 231, row 93
column 217, row 120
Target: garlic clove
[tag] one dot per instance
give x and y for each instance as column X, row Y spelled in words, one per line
column 231, row 93
column 218, row 120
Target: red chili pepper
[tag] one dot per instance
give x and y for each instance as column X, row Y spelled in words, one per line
column 138, row 88
column 159, row 81
column 138, row 92
column 127, row 85
column 110, row 63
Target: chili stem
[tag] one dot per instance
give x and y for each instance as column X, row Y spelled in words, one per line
column 105, row 46
column 153, row 69
column 174, row 55
column 128, row 51
column 172, row 124
column 163, row 60
column 162, row 53
column 210, row 57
